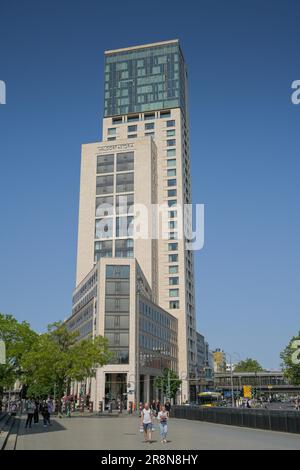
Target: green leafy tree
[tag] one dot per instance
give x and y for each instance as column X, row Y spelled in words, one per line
column 291, row 360
column 19, row 339
column 58, row 358
column 248, row 365
column 169, row 383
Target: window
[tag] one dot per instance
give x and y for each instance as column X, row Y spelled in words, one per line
column 174, row 304
column 171, row 152
column 111, row 138
column 171, row 172
column 149, row 126
column 105, row 184
column 172, row 224
column 174, row 281
column 171, row 142
column 173, row 258
column 171, row 162
column 173, row 269
column 165, row 114
column 173, row 246
column 117, row 120
column 149, row 116
column 125, row 204
column 103, row 249
column 173, row 292
column 133, row 118
column 172, row 182
column 132, row 128
column 105, row 163
column 125, row 183
column 132, row 136
column 104, row 228
column 125, row 161
column 173, row 236
column 172, row 214
column 171, row 133
column 171, row 123
column 112, row 131
column 124, row 226
column 116, row 272
column 104, row 206
column 172, row 202
column 172, row 192
column 152, row 134
column 124, row 248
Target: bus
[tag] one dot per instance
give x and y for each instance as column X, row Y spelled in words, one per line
column 210, row 399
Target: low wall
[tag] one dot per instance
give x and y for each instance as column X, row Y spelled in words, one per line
column 272, row 420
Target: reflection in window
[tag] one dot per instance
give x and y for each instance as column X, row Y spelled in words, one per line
column 105, row 164
column 105, row 184
column 125, row 204
column 125, row 183
column 104, row 228
column 104, row 206
column 103, row 249
column 124, row 226
column 125, row 161
column 124, row 248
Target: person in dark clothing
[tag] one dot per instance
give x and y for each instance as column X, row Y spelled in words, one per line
column 36, row 412
column 30, row 412
column 168, row 406
column 45, row 413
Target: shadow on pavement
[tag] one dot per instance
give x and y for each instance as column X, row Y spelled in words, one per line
column 38, row 428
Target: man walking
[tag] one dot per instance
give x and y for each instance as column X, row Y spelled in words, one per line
column 30, row 407
column 147, row 422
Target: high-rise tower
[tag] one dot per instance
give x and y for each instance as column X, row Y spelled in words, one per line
column 144, row 156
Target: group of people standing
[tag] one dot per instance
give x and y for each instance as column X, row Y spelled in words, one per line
column 149, row 414
column 36, row 407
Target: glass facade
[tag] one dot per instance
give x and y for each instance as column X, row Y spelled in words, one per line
column 144, row 79
column 117, row 295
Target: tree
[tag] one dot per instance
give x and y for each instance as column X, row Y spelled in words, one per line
column 291, row 360
column 59, row 357
column 19, row 339
column 169, row 383
column 248, row 365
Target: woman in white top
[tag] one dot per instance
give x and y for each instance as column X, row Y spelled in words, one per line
column 146, row 422
column 163, row 417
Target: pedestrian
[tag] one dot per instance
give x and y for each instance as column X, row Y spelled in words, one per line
column 45, row 413
column 50, row 409
column 168, row 406
column 147, row 422
column 163, row 417
column 30, row 407
column 36, row 412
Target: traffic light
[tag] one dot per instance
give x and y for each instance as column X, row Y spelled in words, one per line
column 254, row 392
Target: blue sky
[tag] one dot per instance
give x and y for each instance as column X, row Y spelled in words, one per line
column 242, row 57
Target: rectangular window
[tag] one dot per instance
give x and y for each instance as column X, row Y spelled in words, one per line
column 174, row 304
column 125, row 161
column 171, row 133
column 105, row 163
column 125, row 204
column 173, row 281
column 125, row 183
column 171, row 162
column 172, row 192
column 173, row 292
column 124, row 226
column 104, row 228
column 171, row 123
column 173, row 246
column 172, row 202
column 149, row 126
column 173, row 269
column 105, row 184
column 171, row 142
column 172, row 224
column 132, row 128
column 133, row 118
column 124, row 248
column 148, row 116
column 117, row 120
column 172, row 214
column 172, row 182
column 173, row 236
column 171, row 152
column 171, row 172
column 132, row 136
column 103, row 249
column 165, row 114
column 173, row 258
column 112, row 131
column 111, row 138
column 104, row 206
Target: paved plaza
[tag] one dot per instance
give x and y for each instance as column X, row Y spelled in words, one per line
column 111, row 433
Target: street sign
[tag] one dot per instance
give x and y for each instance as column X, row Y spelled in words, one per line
column 2, row 352
column 247, row 391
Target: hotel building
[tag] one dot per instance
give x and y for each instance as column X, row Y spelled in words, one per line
column 142, row 161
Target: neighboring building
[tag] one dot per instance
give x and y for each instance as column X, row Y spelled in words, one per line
column 230, row 366
column 219, row 361
column 144, row 156
column 115, row 300
column 205, row 366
